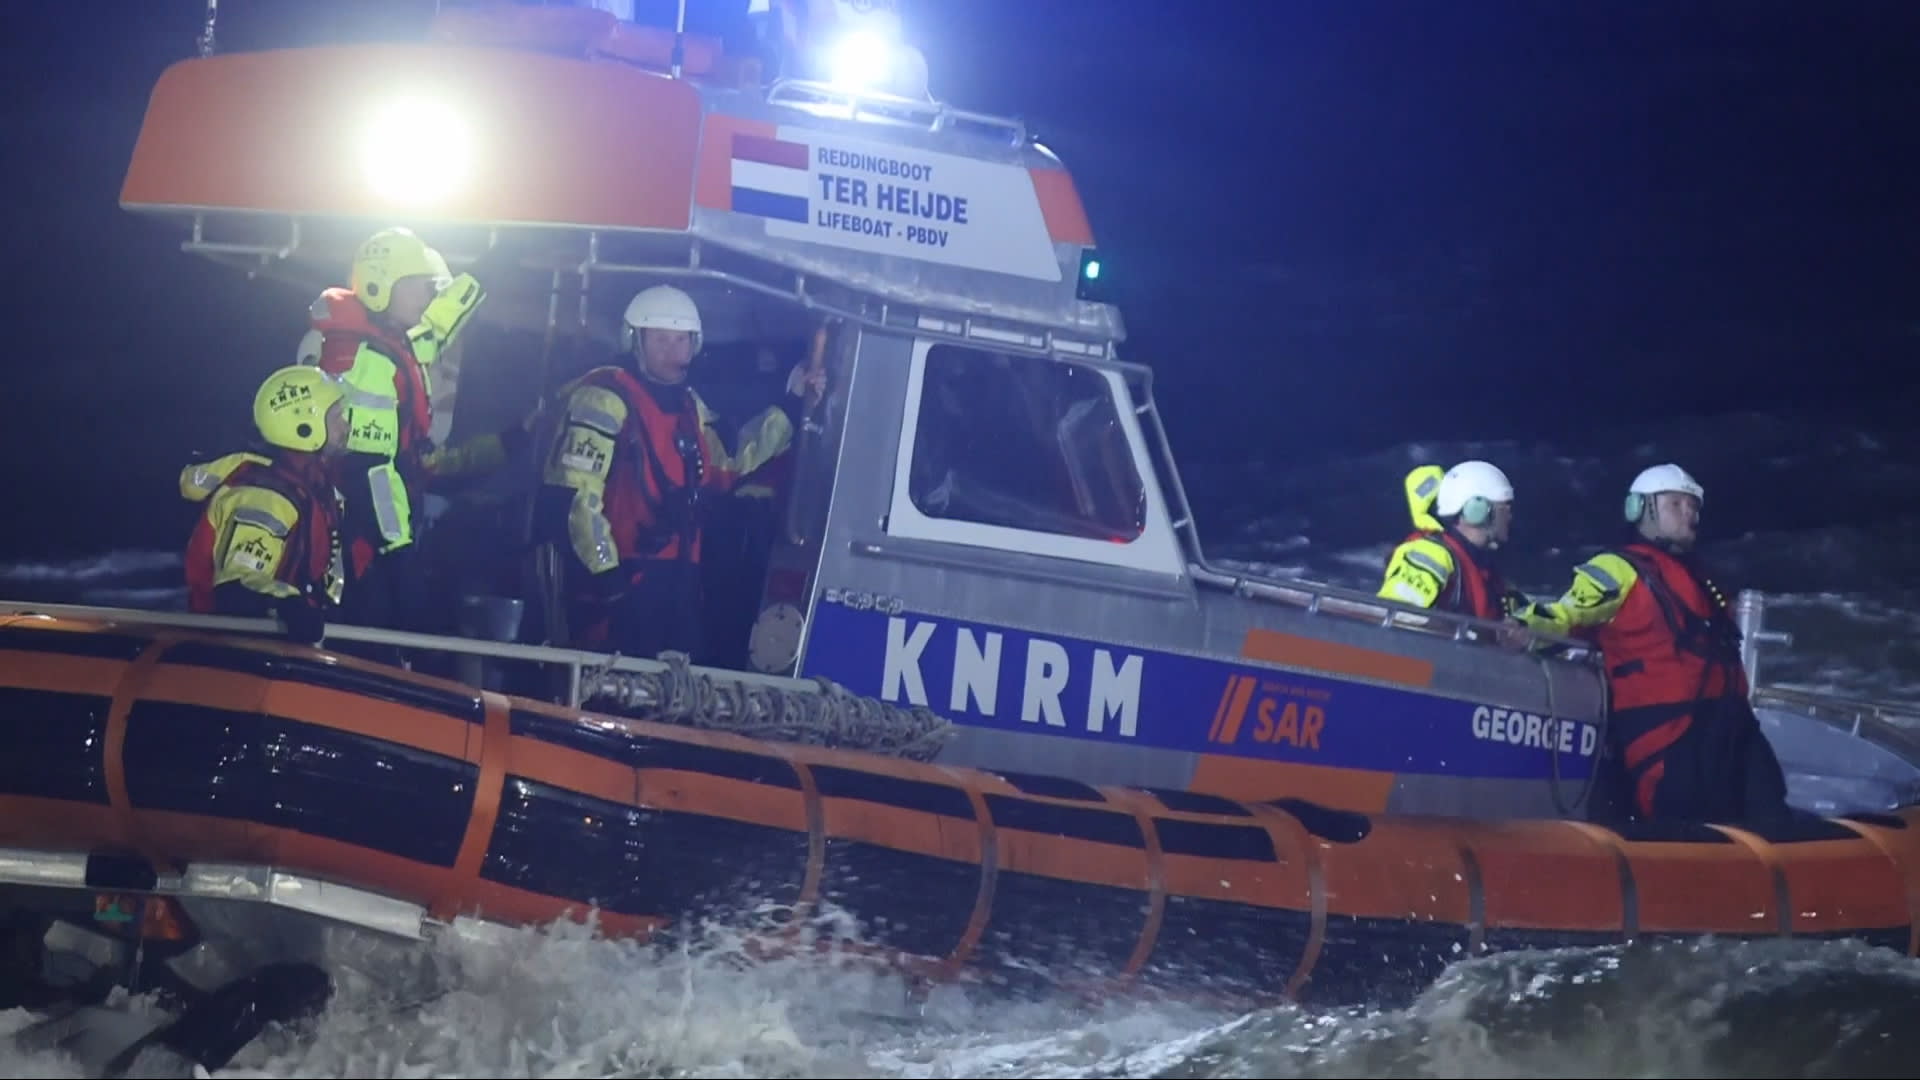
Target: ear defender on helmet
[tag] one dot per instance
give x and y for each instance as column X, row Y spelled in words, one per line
column 1470, row 491
column 1654, row 480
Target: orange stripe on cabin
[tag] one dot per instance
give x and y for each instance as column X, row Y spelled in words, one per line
column 1292, row 650
column 553, row 140
column 1254, row 780
column 1060, row 205
column 1232, row 711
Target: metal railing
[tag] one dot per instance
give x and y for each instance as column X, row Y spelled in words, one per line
column 1875, row 721
column 1749, row 613
column 877, row 305
column 573, row 661
column 936, row 116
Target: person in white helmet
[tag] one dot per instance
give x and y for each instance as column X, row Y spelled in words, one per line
column 626, row 476
column 1682, row 738
column 1460, row 519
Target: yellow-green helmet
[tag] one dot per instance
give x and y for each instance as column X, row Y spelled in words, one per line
column 388, row 256
column 290, row 408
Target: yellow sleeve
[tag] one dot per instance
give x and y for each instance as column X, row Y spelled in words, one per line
column 251, row 528
column 1600, row 585
column 199, row 481
column 760, row 440
column 1417, row 573
column 581, row 459
column 446, row 314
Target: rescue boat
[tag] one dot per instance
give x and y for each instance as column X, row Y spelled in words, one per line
column 989, row 697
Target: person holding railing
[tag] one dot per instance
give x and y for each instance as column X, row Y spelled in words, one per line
column 1460, row 519
column 1682, row 735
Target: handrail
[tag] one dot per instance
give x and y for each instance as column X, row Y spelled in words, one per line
column 575, row 660
column 940, row 116
column 932, row 317
column 1749, row 613
column 1314, row 597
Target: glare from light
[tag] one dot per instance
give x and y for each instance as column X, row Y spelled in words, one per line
column 861, row 60
column 416, row 151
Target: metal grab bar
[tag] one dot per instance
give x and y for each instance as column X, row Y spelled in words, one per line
column 573, row 660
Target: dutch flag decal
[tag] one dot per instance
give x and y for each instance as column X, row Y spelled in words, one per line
column 770, row 177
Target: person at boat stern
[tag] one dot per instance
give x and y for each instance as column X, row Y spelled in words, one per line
column 1683, row 741
column 1460, row 519
column 269, row 541
column 634, row 453
column 381, row 335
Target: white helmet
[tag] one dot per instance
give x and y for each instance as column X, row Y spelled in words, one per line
column 1470, row 489
column 662, row 307
column 1653, row 481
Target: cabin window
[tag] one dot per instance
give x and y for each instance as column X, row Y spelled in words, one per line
column 1024, row 443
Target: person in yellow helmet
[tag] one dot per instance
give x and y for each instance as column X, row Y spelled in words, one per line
column 1460, row 519
column 268, row 540
column 402, row 310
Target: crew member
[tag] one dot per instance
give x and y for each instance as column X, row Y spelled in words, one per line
column 1447, row 562
column 269, row 540
column 624, row 479
column 1681, row 729
column 381, row 335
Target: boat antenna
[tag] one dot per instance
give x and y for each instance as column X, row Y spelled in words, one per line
column 679, row 37
column 206, row 31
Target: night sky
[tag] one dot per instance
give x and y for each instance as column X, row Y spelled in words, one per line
column 1336, row 226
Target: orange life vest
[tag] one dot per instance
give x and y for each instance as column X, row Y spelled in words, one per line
column 1673, row 640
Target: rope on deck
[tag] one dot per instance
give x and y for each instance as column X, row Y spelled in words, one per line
column 830, row 716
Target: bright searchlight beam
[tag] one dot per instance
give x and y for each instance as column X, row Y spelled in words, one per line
column 417, row 150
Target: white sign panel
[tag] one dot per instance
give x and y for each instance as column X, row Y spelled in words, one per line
column 892, row 201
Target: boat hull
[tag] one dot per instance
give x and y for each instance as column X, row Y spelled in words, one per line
column 170, row 749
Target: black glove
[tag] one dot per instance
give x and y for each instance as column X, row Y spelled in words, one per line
column 609, row 586
column 302, row 619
